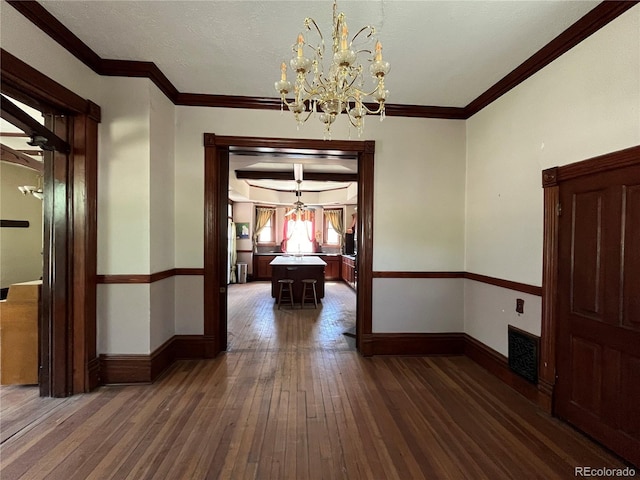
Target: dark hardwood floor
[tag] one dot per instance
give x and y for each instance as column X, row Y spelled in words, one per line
column 292, row 399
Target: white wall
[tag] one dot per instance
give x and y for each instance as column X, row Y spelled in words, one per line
column 584, row 104
column 418, row 305
column 20, row 248
column 124, row 191
column 161, row 215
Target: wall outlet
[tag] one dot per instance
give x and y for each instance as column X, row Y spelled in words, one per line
column 519, row 305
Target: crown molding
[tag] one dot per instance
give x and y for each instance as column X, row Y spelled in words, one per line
column 594, row 20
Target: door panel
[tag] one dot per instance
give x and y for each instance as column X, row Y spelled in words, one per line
column 598, row 333
column 586, row 271
column 631, row 258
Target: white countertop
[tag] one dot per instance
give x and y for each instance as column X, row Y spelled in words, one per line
column 293, row 260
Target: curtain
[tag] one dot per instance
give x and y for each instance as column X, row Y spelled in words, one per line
column 335, row 219
column 263, row 215
column 233, row 252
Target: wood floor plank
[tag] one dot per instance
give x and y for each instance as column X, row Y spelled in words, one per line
column 292, row 399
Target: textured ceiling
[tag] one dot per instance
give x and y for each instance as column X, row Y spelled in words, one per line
column 442, row 53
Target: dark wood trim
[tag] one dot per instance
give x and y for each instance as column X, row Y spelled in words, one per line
column 216, row 168
column 25, row 122
column 547, row 367
column 414, row 343
column 118, row 369
column 8, row 154
column 379, row 274
column 314, row 147
column 246, row 251
column 288, row 175
column 141, row 368
column 227, row 101
column 424, row 111
column 364, row 260
column 519, row 287
column 498, row 282
column 124, row 278
column 14, row 134
column 191, row 346
column 498, row 365
column 189, row 271
column 14, row 223
column 590, row 23
column 136, row 69
column 26, row 84
column 148, row 278
column 84, row 188
column 597, row 18
column 609, row 161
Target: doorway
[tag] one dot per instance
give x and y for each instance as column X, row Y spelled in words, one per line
column 67, row 344
column 217, row 150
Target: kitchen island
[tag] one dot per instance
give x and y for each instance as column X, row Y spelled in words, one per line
column 297, row 269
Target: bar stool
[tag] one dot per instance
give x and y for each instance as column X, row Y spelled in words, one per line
column 312, row 282
column 288, row 290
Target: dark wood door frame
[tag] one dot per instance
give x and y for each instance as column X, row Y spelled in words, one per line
column 68, row 350
column 216, row 179
column 551, row 182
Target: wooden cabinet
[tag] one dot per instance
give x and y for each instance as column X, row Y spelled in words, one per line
column 262, row 270
column 349, row 274
column 19, row 334
column 261, row 267
column 332, row 270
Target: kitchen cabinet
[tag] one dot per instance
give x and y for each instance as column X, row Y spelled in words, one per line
column 332, row 270
column 349, row 273
column 261, row 267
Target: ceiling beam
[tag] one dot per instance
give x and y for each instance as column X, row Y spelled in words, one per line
column 288, row 175
column 25, row 122
column 8, row 154
column 14, row 134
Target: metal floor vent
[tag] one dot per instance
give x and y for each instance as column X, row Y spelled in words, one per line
column 523, row 353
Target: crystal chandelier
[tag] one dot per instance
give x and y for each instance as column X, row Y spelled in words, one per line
column 339, row 89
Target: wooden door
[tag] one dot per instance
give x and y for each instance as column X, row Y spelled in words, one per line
column 598, row 343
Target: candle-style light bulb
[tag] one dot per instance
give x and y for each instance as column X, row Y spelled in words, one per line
column 378, row 51
column 345, row 34
column 283, row 67
column 300, row 45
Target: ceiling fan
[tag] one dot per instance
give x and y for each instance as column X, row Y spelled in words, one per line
column 298, row 206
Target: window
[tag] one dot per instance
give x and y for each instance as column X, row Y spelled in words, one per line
column 267, row 234
column 331, row 236
column 298, row 233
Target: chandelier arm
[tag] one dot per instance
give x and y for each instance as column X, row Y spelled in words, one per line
column 355, row 77
column 308, row 115
column 307, row 22
column 371, row 29
column 364, row 50
column 373, row 112
column 369, row 94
